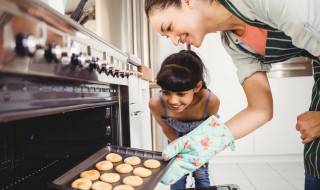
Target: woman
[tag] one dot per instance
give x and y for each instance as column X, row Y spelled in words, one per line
column 256, row 33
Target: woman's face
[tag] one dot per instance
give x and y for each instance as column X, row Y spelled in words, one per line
column 181, row 24
column 177, row 101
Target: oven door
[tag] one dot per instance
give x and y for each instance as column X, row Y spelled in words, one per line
column 49, row 125
column 35, row 151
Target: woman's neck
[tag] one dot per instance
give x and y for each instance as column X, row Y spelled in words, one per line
column 220, row 19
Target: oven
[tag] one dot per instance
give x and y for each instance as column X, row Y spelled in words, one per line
column 63, row 94
column 64, row 100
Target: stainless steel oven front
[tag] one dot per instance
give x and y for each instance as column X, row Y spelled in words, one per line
column 63, row 94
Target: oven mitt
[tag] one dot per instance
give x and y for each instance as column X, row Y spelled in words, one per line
column 196, row 148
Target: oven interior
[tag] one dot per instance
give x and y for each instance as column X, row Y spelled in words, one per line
column 39, row 149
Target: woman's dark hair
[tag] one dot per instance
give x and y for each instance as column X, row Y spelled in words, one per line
column 181, row 72
column 162, row 4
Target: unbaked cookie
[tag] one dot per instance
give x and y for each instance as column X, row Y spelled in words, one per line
column 90, row 174
column 104, row 165
column 134, row 181
column 113, row 157
column 110, row 177
column 151, row 163
column 100, row 185
column 133, row 160
column 142, row 172
column 124, row 168
column 82, row 183
column 123, row 187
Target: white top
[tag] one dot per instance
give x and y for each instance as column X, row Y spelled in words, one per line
column 299, row 19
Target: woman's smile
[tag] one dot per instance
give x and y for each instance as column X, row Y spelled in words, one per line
column 186, row 39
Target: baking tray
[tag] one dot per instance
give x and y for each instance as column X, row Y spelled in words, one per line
column 65, row 180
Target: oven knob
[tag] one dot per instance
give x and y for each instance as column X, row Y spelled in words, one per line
column 25, row 45
column 110, row 67
column 131, row 71
column 78, row 60
column 102, row 68
column 53, row 52
column 116, row 74
column 102, row 65
column 94, row 63
column 127, row 70
column 74, row 60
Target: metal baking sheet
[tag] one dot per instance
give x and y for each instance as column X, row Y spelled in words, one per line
column 65, row 180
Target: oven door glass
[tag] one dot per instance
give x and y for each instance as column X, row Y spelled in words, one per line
column 37, row 150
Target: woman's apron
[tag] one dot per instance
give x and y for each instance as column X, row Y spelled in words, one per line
column 279, row 48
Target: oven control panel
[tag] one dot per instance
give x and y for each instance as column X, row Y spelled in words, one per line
column 36, row 40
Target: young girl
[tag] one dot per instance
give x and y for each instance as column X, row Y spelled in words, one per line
column 183, row 103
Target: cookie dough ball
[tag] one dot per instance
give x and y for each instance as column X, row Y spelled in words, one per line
column 124, row 168
column 82, row 183
column 142, row 172
column 134, row 181
column 110, row 177
column 104, row 165
column 113, row 157
column 151, row 163
column 100, row 185
column 123, row 187
column 90, row 174
column 133, row 160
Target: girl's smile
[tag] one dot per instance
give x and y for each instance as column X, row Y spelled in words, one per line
column 177, row 101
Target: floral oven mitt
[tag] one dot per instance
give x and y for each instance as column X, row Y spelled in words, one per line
column 196, row 148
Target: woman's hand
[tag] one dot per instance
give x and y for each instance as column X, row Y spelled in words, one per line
column 308, row 124
column 196, row 148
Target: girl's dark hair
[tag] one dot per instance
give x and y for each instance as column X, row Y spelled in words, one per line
column 181, row 72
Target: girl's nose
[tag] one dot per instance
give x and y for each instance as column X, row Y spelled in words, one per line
column 173, row 99
column 175, row 40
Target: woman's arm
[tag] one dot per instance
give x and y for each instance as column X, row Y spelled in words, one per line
column 259, row 109
column 156, row 110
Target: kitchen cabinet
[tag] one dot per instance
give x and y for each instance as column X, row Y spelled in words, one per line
column 140, row 122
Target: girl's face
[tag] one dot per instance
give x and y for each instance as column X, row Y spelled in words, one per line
column 177, row 101
column 183, row 24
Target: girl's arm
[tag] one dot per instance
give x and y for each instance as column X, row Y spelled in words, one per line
column 156, row 110
column 259, row 109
